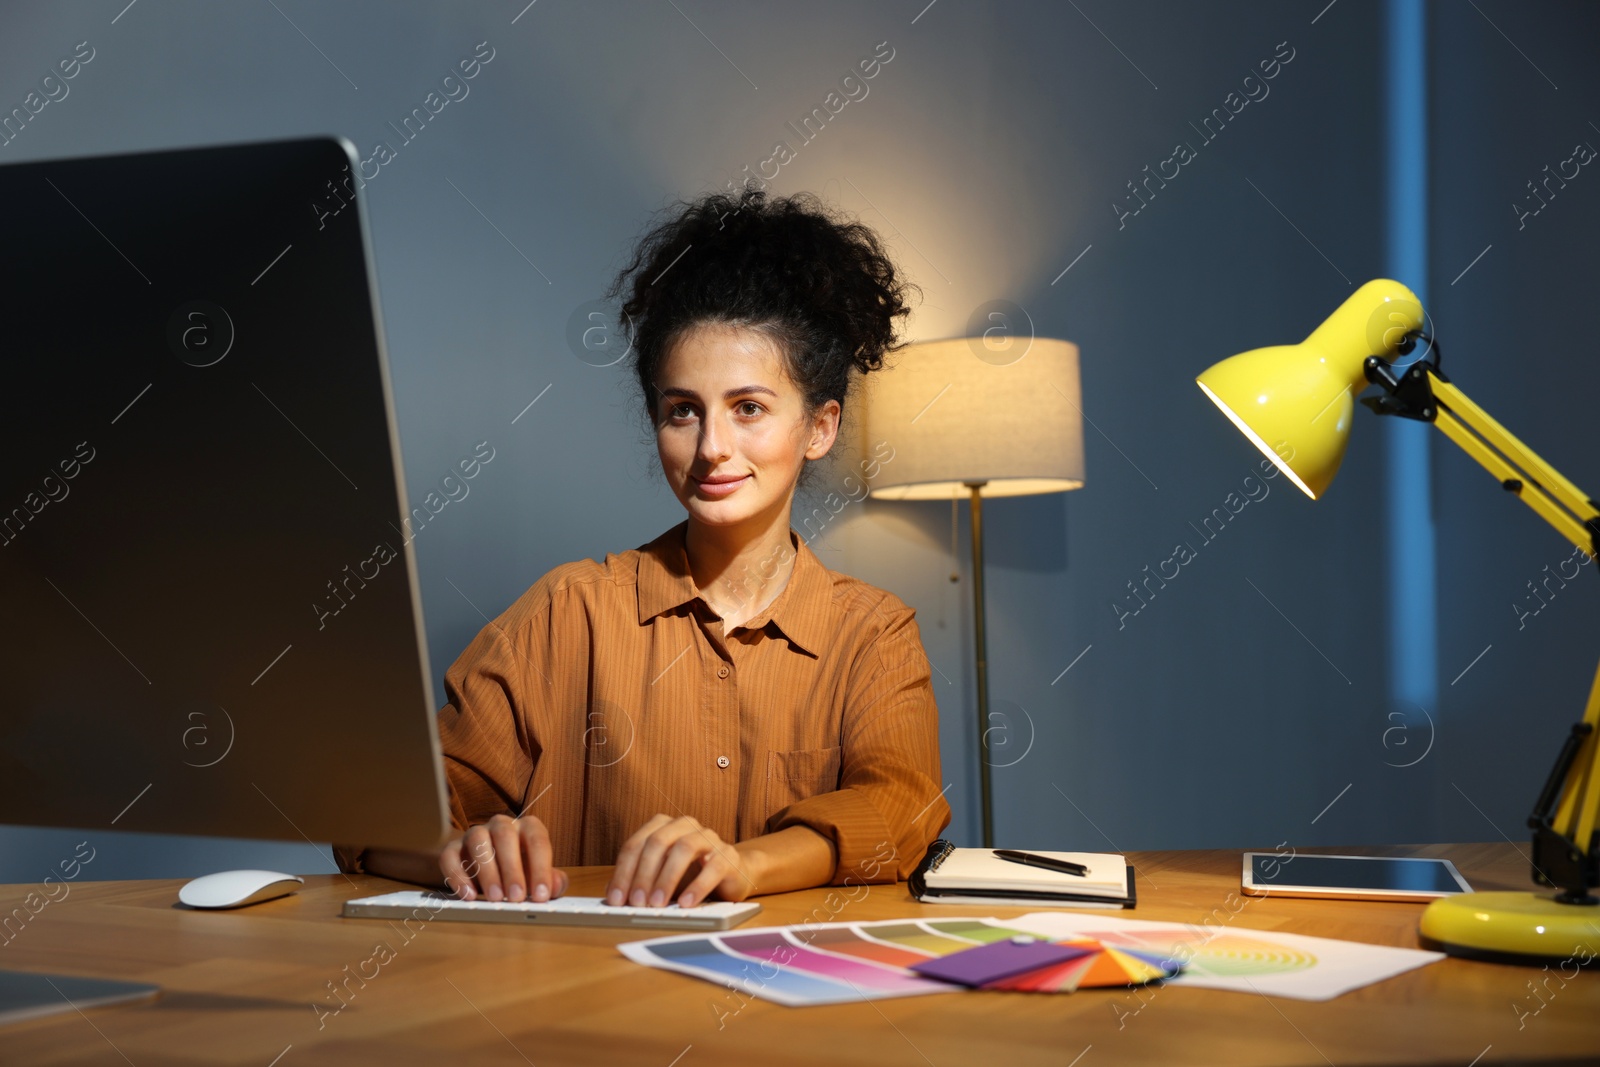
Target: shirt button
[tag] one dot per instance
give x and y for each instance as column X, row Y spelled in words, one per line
column 722, row 761
column 722, row 672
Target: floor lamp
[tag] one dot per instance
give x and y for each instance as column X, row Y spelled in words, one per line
column 967, row 417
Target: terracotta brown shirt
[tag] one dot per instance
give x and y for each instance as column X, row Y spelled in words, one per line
column 609, row 692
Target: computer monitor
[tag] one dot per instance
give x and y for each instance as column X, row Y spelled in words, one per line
column 211, row 621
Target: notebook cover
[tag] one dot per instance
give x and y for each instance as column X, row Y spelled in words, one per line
column 979, row 868
column 939, row 849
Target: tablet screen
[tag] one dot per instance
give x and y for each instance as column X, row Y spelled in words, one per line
column 1348, row 872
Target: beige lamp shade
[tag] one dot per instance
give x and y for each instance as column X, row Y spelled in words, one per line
column 954, row 418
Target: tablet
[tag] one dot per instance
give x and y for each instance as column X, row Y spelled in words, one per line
column 1353, row 877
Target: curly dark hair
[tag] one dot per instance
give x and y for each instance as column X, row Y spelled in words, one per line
column 823, row 288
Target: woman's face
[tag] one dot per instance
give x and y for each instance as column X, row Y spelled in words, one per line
column 731, row 426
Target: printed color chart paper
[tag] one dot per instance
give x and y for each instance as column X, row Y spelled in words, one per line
column 1241, row 959
column 821, row 963
column 834, row 963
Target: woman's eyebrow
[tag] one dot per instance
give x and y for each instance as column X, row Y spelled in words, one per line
column 729, row 394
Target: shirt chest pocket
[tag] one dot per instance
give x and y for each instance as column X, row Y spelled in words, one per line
column 793, row 776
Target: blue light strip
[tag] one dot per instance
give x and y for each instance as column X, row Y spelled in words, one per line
column 1412, row 586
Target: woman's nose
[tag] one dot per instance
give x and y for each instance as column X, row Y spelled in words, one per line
column 714, row 439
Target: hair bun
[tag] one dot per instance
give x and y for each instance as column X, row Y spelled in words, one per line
column 822, row 286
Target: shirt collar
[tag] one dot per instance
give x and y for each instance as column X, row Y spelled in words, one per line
column 800, row 611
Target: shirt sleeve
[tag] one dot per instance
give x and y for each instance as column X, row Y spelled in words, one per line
column 489, row 756
column 890, row 805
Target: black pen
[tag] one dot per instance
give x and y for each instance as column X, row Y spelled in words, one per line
column 1028, row 858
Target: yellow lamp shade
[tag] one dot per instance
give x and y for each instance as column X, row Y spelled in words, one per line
column 1294, row 401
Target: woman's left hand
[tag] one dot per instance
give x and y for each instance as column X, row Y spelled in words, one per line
column 664, row 852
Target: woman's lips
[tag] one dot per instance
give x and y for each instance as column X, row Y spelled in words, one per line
column 720, row 488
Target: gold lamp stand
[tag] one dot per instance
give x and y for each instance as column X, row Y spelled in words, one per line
column 980, row 639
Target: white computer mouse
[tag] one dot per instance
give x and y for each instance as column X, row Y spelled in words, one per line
column 235, row 889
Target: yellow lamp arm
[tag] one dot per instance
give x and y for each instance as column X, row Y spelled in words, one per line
column 1574, row 788
column 1518, row 467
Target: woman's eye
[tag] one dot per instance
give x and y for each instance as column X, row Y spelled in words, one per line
column 749, row 407
column 681, row 411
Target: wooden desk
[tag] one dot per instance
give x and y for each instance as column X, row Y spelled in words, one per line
column 239, row 988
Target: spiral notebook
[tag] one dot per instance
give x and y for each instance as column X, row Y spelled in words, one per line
column 951, row 875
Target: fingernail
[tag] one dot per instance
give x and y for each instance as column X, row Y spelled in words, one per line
column 636, row 898
column 658, row 898
column 515, row 893
column 686, row 901
column 541, row 892
column 614, row 898
column 495, row 894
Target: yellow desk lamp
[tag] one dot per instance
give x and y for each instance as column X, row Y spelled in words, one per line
column 1294, row 402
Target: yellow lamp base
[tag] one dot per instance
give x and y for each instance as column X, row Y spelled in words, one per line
column 1505, row 925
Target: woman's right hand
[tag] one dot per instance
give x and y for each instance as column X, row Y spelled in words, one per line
column 504, row 859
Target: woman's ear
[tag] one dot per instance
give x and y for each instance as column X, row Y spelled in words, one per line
column 824, row 430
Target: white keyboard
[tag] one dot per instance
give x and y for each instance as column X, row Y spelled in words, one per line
column 563, row 911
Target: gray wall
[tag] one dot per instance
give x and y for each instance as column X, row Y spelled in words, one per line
column 1254, row 689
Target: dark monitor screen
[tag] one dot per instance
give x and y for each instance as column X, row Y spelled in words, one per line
column 211, row 620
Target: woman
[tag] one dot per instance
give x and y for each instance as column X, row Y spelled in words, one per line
column 715, row 713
